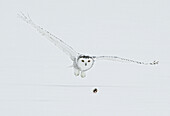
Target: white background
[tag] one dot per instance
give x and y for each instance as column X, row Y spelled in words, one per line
column 31, row 67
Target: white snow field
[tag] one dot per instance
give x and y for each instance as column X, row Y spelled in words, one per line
column 35, row 78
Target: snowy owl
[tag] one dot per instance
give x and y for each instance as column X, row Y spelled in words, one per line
column 81, row 62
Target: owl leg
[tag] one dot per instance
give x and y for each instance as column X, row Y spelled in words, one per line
column 83, row 74
column 76, row 72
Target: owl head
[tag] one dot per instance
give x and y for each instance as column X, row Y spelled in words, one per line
column 85, row 62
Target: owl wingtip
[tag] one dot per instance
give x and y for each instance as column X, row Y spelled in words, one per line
column 155, row 62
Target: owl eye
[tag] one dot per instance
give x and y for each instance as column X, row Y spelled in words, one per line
column 88, row 60
column 82, row 60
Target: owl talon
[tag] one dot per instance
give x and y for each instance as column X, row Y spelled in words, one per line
column 83, row 74
column 76, row 72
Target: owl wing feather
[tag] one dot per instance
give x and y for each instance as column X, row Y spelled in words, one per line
column 115, row 58
column 55, row 40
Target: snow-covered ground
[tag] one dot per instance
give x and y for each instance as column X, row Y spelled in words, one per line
column 33, row 71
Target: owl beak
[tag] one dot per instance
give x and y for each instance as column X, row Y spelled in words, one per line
column 85, row 64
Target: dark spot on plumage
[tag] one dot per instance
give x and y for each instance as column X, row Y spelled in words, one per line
column 84, row 56
column 94, row 57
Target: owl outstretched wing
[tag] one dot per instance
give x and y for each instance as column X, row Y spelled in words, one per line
column 115, row 58
column 55, row 40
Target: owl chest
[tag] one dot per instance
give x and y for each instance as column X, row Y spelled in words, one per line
column 81, row 66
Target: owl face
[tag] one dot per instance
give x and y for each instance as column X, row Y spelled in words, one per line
column 85, row 62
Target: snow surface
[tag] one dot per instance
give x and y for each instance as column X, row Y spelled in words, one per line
column 33, row 71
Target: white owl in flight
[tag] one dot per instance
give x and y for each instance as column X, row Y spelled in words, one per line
column 81, row 62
